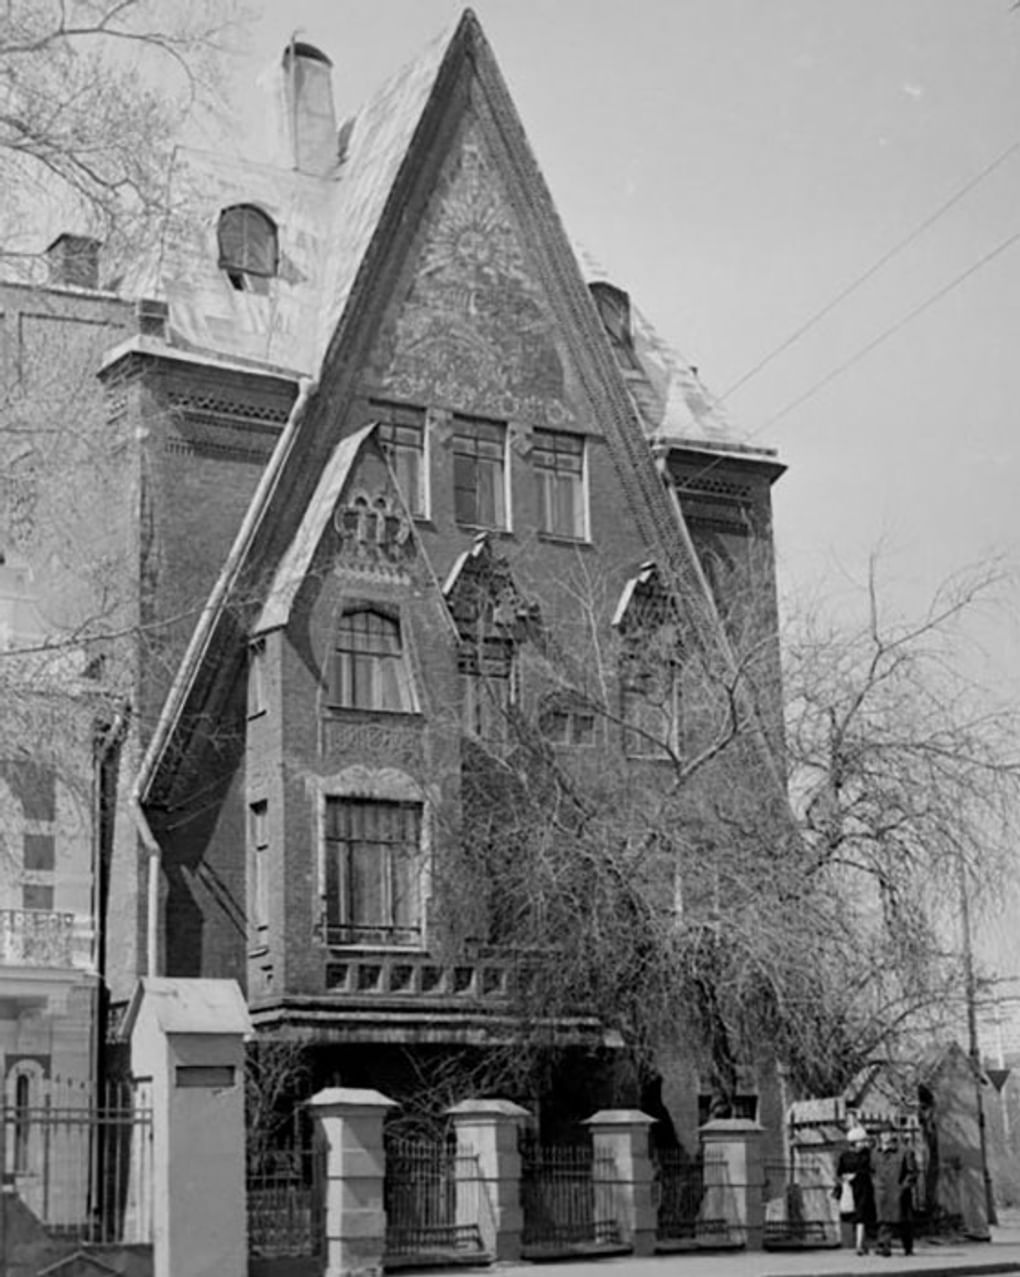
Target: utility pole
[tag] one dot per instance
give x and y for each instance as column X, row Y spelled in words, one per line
column 974, row 1049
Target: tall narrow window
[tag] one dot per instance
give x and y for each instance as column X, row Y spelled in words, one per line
column 402, row 435
column 558, row 459
column 487, row 687
column 373, row 861
column 257, row 679
column 22, row 1122
column 479, row 472
column 258, row 815
column 248, row 247
column 369, row 669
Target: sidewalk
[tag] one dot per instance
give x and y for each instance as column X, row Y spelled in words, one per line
column 930, row 1259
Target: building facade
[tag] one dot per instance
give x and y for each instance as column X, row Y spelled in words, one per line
column 377, row 444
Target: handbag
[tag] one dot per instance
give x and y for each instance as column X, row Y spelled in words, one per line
column 846, row 1196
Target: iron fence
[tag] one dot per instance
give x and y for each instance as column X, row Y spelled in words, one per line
column 568, row 1196
column 436, row 1200
column 800, row 1210
column 285, row 1193
column 694, row 1199
column 83, row 1170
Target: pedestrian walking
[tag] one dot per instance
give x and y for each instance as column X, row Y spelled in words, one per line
column 895, row 1174
column 855, row 1189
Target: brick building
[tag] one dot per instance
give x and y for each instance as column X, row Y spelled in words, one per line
column 370, row 424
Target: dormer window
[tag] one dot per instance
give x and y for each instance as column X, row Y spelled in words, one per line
column 613, row 305
column 248, row 247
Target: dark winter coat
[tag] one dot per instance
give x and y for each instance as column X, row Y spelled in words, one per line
column 895, row 1171
column 856, row 1162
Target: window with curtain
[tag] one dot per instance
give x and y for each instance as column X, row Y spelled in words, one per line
column 373, row 868
column 248, row 247
column 369, row 668
column 558, row 460
column 479, row 472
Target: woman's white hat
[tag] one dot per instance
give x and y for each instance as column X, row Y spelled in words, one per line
column 857, row 1135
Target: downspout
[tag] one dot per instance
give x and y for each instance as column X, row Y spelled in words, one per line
column 177, row 695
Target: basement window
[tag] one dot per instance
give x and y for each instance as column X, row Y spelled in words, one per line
column 248, row 248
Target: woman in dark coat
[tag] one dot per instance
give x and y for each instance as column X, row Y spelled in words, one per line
column 855, row 1165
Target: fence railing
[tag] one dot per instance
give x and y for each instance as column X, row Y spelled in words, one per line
column 568, row 1196
column 694, row 1199
column 435, row 1199
column 85, row 1172
column 286, row 1204
column 800, row 1210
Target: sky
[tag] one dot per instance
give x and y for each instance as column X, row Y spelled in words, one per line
column 736, row 165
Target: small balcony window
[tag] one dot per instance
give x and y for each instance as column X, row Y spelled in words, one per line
column 402, row 435
column 248, row 248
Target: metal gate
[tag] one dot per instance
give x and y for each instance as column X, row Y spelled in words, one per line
column 285, row 1191
column 568, row 1198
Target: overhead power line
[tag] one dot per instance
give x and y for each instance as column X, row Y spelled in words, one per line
column 872, row 270
column 890, row 331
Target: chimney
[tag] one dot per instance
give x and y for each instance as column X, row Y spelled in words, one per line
column 74, row 261
column 310, row 116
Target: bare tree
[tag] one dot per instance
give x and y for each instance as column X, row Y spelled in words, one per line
column 93, row 97
column 643, row 864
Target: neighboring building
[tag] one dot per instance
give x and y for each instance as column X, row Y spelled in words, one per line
column 370, row 426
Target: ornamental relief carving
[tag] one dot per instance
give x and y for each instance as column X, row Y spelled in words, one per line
column 374, row 744
column 475, row 331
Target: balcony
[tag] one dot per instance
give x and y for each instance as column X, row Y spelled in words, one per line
column 44, row 938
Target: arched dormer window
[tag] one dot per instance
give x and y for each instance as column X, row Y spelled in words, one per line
column 369, row 669
column 613, row 305
column 249, row 251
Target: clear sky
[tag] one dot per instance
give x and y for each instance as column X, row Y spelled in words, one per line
column 735, row 164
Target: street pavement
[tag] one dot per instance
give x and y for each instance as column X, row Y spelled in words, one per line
column 956, row 1257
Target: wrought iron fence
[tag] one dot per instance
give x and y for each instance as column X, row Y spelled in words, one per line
column 800, row 1210
column 286, row 1203
column 435, row 1200
column 694, row 1199
column 568, row 1196
column 83, row 1170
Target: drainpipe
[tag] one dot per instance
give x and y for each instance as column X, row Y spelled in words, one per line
column 152, row 883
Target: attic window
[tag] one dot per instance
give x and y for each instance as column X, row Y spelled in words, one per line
column 248, row 247
column 613, row 305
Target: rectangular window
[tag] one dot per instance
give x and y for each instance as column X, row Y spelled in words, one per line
column 373, row 863
column 487, row 688
column 256, row 679
column 258, row 816
column 479, row 472
column 402, row 435
column 566, row 726
column 37, row 895
column 651, row 711
column 369, row 668
column 558, row 459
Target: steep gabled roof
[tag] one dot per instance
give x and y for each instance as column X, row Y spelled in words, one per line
column 394, row 161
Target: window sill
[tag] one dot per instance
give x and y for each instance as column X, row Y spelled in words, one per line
column 476, row 528
column 352, row 714
column 554, row 538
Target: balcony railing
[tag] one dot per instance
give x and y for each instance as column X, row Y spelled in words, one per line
column 418, row 976
column 43, row 938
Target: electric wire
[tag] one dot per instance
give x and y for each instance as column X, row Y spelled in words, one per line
column 872, row 270
column 886, row 333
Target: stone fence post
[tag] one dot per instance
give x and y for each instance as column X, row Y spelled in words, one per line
column 621, row 1135
column 351, row 1123
column 735, row 1178
column 488, row 1129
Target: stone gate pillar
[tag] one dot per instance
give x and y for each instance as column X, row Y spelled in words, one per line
column 621, row 1136
column 350, row 1121
column 187, row 1053
column 488, row 1129
column 735, row 1178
